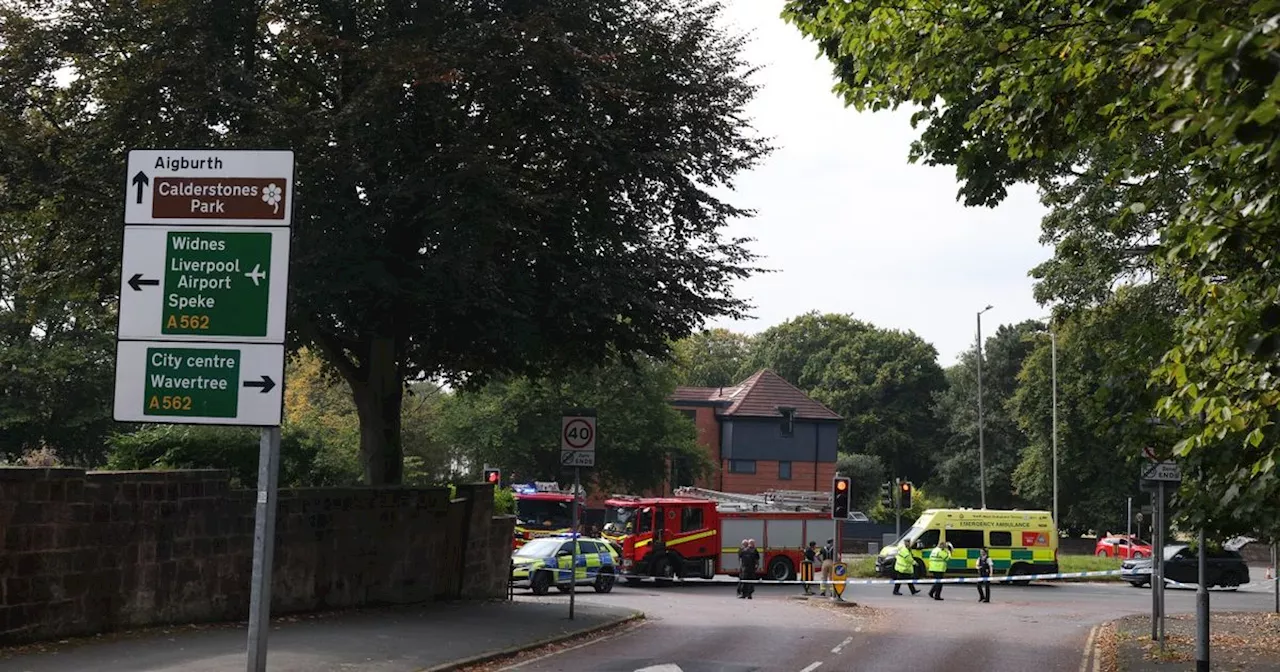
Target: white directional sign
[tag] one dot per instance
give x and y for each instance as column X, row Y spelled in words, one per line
column 199, row 383
column 189, row 284
column 578, row 441
column 204, row 286
column 1162, row 471
column 197, row 187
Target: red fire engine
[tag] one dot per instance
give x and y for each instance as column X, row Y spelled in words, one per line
column 542, row 509
column 697, row 533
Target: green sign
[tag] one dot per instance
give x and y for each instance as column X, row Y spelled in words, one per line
column 216, row 284
column 192, row 382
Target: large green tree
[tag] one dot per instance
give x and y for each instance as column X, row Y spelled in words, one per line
column 484, row 188
column 957, row 474
column 1105, row 407
column 1011, row 92
column 880, row 381
column 514, row 423
column 713, row 358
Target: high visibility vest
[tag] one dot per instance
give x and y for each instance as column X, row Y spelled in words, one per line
column 938, row 560
column 904, row 563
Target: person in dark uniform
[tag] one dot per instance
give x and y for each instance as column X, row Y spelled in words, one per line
column 749, row 561
column 806, row 567
column 984, row 571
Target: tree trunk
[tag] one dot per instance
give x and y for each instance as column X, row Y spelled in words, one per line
column 378, row 400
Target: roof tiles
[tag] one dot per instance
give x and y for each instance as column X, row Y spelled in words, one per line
column 759, row 396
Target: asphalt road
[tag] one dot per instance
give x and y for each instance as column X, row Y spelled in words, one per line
column 701, row 627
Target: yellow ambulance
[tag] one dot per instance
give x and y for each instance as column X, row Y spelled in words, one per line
column 1020, row 543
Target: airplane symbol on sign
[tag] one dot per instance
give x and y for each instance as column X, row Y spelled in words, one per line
column 256, row 274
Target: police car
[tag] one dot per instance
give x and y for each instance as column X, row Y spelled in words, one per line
column 558, row 560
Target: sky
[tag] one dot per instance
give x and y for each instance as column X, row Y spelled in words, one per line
column 849, row 226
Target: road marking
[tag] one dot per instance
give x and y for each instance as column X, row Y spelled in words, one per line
column 623, row 631
column 1088, row 650
column 812, row 667
column 1097, row 655
column 841, row 645
column 661, row 668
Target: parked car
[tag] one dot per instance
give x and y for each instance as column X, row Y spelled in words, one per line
column 1181, row 563
column 1122, row 546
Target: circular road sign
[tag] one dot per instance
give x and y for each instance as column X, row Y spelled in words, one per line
column 579, row 434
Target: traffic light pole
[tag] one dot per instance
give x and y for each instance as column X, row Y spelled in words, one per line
column 897, row 509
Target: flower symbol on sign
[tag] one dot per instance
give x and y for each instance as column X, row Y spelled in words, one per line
column 272, row 196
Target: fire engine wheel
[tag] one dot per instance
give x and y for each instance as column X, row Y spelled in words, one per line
column 665, row 570
column 540, row 584
column 780, row 569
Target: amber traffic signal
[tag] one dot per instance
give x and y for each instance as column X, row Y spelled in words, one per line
column 840, row 497
column 904, row 496
column 493, row 476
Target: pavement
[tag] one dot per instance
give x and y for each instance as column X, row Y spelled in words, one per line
column 397, row 639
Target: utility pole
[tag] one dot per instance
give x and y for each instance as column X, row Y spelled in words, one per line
column 982, row 449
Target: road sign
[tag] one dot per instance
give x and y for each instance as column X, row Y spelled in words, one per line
column 1149, row 453
column 1162, row 471
column 203, row 187
column 223, row 284
column 840, row 573
column 199, row 383
column 578, row 440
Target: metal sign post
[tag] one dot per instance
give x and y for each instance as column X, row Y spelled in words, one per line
column 1202, row 610
column 577, row 450
column 1158, row 472
column 1275, row 574
column 203, row 289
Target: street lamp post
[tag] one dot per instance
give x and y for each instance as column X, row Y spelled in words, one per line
column 1053, row 349
column 982, row 456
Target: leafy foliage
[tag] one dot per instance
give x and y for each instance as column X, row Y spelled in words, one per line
column 880, row 381
column 713, row 358
column 484, row 188
column 515, row 424
column 1012, row 92
column 957, row 473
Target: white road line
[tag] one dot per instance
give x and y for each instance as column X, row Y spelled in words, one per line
column 812, row 667
column 1088, row 650
column 1097, row 656
column 841, row 645
column 583, row 645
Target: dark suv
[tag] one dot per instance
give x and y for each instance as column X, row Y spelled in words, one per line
column 1181, row 564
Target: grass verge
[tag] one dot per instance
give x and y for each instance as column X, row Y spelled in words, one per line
column 864, row 566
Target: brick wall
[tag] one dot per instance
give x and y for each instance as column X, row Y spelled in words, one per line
column 83, row 553
column 766, row 477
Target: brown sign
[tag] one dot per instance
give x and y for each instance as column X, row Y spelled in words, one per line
column 219, row 197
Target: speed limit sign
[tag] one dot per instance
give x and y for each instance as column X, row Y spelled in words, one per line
column 578, row 440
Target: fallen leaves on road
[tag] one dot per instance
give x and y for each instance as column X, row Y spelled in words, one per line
column 514, row 659
column 1249, row 642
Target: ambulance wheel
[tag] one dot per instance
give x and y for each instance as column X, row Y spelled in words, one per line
column 780, row 569
column 1020, row 569
column 540, row 584
column 604, row 582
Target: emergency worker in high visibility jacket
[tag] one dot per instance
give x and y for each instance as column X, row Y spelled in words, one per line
column 904, row 568
column 938, row 567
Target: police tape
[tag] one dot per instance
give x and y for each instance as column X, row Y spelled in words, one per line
column 1019, row 578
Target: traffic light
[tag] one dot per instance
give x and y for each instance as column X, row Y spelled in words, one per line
column 493, row 476
column 904, row 496
column 886, row 495
column 840, row 498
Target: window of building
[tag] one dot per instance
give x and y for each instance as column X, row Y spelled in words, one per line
column 965, row 538
column 1001, row 539
column 681, row 472
column 788, row 421
column 689, row 413
column 784, row 471
column 742, row 466
column 691, row 519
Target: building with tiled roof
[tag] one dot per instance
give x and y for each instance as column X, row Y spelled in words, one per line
column 763, row 433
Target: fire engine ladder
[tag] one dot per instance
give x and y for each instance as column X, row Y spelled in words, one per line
column 798, row 500
column 721, row 497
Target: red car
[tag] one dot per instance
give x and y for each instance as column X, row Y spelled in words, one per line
column 1123, row 547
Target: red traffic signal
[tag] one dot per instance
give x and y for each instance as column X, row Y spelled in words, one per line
column 493, row 476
